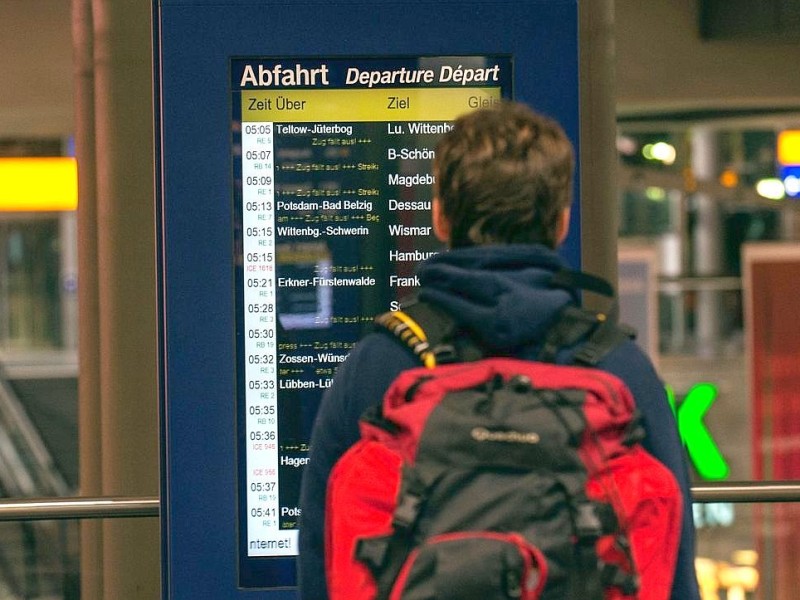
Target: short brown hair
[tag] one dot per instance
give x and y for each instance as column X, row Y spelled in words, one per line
column 503, row 175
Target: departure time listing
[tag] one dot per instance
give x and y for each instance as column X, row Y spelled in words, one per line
column 336, row 193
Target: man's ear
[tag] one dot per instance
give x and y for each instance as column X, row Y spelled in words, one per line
column 441, row 224
column 562, row 227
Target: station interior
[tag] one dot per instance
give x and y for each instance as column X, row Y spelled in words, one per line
column 703, row 163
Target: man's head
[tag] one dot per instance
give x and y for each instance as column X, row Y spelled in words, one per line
column 503, row 175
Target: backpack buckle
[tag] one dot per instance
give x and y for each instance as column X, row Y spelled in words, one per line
column 407, row 511
column 588, row 525
column 445, row 354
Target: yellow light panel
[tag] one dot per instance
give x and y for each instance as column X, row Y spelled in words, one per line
column 38, row 184
column 789, row 147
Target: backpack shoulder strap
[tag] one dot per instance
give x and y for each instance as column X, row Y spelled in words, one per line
column 430, row 333
column 607, row 335
column 600, row 329
column 435, row 337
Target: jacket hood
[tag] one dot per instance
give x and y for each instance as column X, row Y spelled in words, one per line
column 500, row 293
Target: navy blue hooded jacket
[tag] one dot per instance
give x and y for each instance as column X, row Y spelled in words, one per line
column 502, row 294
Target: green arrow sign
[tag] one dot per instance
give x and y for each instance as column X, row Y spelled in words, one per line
column 703, row 450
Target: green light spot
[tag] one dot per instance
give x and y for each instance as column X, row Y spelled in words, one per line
column 703, row 450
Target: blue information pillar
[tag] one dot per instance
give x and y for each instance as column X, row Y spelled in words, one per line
column 294, row 148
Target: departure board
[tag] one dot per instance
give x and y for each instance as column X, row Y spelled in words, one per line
column 333, row 179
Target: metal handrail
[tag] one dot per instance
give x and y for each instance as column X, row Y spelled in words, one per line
column 748, row 491
column 38, row 509
column 33, row 509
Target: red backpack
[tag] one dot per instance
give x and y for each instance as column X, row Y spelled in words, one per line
column 501, row 478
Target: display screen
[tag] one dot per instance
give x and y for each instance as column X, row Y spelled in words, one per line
column 333, row 178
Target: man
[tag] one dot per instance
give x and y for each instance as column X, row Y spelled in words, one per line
column 502, row 205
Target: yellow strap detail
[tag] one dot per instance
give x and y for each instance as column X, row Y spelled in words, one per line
column 427, row 357
column 411, row 324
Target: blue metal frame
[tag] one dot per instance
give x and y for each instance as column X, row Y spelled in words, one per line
column 194, row 42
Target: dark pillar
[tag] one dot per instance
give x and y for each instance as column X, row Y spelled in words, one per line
column 598, row 156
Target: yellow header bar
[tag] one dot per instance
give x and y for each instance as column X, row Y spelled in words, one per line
column 419, row 104
column 789, row 147
column 38, row 184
